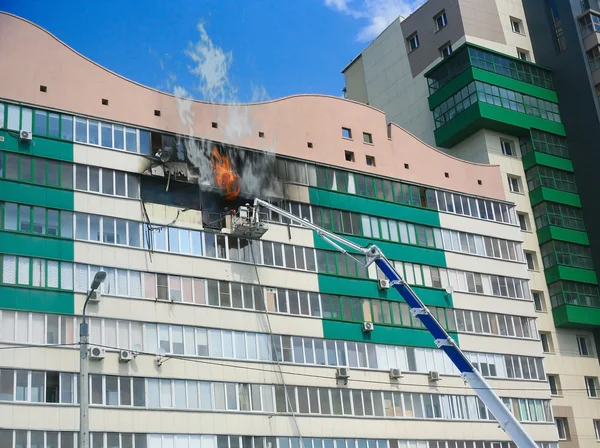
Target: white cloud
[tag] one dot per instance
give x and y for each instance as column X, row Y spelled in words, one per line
column 211, row 66
column 378, row 13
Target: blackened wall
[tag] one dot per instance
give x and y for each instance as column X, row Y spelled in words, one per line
column 577, row 101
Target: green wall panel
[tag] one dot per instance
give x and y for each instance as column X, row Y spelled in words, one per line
column 394, row 251
column 375, row 207
column 41, row 147
column 382, row 334
column 30, row 299
column 548, row 233
column 486, row 76
column 12, row 191
column 36, row 246
column 540, row 158
column 556, row 273
column 551, row 195
column 331, row 284
column 574, row 316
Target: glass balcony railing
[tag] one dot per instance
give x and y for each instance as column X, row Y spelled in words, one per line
column 470, row 56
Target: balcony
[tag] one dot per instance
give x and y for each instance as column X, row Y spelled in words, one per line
column 575, row 305
column 476, row 88
column 575, row 316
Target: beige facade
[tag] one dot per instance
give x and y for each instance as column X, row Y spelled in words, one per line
column 395, row 83
column 219, row 335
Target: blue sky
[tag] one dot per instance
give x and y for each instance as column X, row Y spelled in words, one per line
column 280, row 47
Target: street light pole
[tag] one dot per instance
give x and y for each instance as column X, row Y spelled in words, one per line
column 84, row 368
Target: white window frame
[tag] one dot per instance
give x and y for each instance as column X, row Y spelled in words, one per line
column 587, row 345
column 591, row 393
column 516, row 26
column 562, row 427
column 441, row 15
column 511, row 147
column 523, row 54
column 413, row 42
column 444, row 53
column 514, row 184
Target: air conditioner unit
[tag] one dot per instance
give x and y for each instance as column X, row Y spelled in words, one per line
column 383, row 284
column 395, row 374
column 342, row 373
column 25, row 136
column 96, row 352
column 367, row 327
column 434, row 376
column 95, row 296
column 125, row 356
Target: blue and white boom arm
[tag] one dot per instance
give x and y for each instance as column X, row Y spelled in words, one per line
column 442, row 339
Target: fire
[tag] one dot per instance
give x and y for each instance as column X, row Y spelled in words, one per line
column 225, row 178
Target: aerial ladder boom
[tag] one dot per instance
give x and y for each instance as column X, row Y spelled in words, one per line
column 442, row 339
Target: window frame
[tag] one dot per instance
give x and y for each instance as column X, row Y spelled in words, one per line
column 412, row 42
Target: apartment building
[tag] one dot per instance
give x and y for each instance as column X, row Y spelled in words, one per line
column 206, row 339
column 464, row 77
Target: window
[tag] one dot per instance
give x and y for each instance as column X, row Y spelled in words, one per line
column 591, row 384
column 523, row 221
column 413, row 42
column 583, row 346
column 523, row 54
column 516, row 25
column 538, row 301
column 554, row 383
column 349, row 156
column 546, row 340
column 367, row 138
column 446, row 50
column 507, row 147
column 514, row 184
column 440, row 20
column 370, row 161
column 347, row 133
column 597, row 429
column 531, row 261
column 563, row 428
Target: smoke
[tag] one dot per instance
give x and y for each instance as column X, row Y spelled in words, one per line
column 210, row 66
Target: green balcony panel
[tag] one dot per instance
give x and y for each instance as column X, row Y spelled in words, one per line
column 37, row 300
column 344, row 286
column 13, row 191
column 375, row 207
column 569, row 273
column 382, row 334
column 537, row 158
column 514, row 84
column 29, row 245
column 487, row 116
column 43, row 147
column 394, row 251
column 551, row 195
column 575, row 316
column 558, row 233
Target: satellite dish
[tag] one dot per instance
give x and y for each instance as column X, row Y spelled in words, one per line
column 449, row 289
column 137, row 348
column 162, row 352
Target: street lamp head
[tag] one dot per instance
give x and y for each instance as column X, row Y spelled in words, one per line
column 98, row 279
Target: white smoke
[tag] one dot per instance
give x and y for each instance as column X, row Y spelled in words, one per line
column 210, row 66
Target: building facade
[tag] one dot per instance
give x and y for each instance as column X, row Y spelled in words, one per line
column 465, row 77
column 203, row 339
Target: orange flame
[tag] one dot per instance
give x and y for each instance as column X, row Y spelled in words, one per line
column 225, row 178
